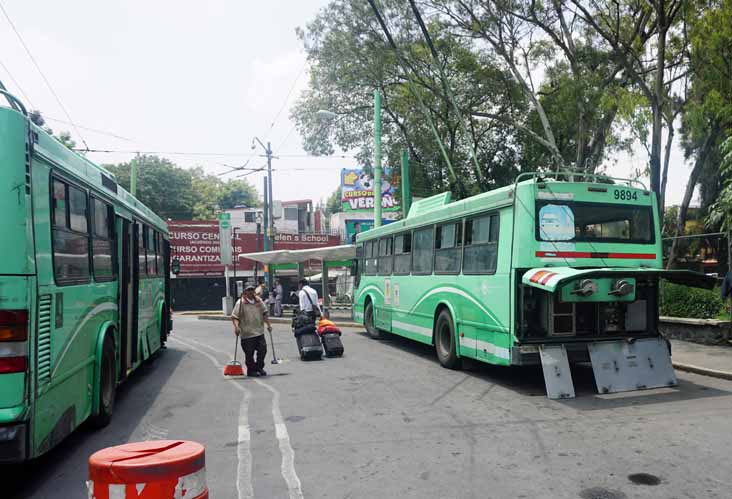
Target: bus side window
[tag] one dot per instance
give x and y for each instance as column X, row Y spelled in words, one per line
column 403, row 253
column 481, row 245
column 448, row 248
column 385, row 255
column 70, row 234
column 141, row 266
column 422, row 251
column 103, row 263
column 369, row 257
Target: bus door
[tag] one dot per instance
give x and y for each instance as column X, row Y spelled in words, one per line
column 127, row 296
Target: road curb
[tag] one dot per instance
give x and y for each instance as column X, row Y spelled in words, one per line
column 274, row 320
column 713, row 373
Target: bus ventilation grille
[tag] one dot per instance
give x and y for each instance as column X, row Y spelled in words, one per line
column 44, row 338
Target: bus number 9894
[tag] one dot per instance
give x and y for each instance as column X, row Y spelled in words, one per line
column 625, row 194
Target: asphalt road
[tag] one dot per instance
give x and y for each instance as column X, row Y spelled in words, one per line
column 387, row 421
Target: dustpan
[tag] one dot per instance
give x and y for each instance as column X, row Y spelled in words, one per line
column 234, row 367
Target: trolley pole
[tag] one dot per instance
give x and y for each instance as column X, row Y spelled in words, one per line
column 377, row 158
column 406, row 191
column 133, row 175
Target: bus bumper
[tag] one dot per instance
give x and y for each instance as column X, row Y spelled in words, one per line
column 528, row 355
column 13, row 442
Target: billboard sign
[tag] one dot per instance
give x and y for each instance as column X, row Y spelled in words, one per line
column 196, row 246
column 357, row 190
column 225, row 238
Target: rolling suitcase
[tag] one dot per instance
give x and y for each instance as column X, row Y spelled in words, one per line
column 309, row 346
column 332, row 344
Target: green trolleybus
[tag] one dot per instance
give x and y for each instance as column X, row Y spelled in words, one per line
column 545, row 271
column 83, row 288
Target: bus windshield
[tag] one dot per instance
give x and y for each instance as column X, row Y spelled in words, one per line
column 580, row 221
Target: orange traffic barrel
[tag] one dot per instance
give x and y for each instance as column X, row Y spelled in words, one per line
column 162, row 469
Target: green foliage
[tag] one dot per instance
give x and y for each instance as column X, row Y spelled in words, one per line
column 720, row 212
column 694, row 303
column 182, row 194
column 333, row 204
column 350, row 59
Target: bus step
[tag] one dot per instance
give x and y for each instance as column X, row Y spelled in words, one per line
column 557, row 376
column 622, row 366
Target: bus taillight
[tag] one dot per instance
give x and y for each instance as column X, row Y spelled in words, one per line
column 13, row 341
column 13, row 325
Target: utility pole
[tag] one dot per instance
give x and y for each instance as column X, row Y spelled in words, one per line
column 133, row 175
column 268, row 204
column 406, row 191
column 377, row 158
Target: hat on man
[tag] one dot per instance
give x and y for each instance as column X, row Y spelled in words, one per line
column 249, row 286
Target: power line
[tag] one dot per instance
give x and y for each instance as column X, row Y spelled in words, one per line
column 201, row 153
column 12, row 78
column 48, row 83
column 284, row 104
column 95, row 130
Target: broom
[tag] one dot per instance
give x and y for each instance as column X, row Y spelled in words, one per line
column 234, row 368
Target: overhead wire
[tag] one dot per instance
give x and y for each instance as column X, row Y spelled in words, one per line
column 45, row 79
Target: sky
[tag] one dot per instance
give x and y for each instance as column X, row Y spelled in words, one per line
column 201, row 78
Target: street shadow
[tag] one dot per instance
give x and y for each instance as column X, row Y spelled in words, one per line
column 529, row 381
column 134, row 398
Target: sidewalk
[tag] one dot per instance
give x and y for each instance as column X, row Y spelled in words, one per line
column 715, row 361
column 287, row 319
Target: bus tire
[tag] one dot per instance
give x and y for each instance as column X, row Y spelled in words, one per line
column 107, row 386
column 445, row 342
column 368, row 320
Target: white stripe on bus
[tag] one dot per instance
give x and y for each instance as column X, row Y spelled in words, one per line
column 424, row 331
column 370, row 286
column 459, row 292
column 102, row 307
column 485, row 347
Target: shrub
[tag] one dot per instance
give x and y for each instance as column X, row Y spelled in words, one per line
column 683, row 301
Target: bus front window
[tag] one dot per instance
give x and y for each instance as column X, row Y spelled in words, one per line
column 594, row 222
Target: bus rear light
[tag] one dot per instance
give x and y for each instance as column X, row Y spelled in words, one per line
column 13, row 325
column 13, row 364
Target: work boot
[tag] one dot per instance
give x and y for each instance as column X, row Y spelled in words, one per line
column 262, row 372
column 253, row 374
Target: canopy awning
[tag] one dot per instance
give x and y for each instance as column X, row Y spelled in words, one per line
column 328, row 254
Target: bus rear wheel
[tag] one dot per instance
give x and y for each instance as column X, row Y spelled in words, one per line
column 368, row 319
column 445, row 343
column 107, row 386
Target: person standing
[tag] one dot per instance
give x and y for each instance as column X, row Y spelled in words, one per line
column 249, row 318
column 278, row 298
column 308, row 298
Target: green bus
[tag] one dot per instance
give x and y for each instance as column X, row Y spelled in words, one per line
column 554, row 269
column 83, row 288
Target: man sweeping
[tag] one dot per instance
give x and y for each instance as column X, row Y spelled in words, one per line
column 249, row 317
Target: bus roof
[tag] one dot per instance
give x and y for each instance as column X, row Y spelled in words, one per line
column 77, row 166
column 439, row 207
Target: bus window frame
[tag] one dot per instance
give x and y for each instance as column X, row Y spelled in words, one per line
column 432, row 250
column 369, row 255
column 612, row 240
column 394, row 251
column 490, row 215
column 460, row 223
column 57, row 177
column 389, row 241
column 111, row 237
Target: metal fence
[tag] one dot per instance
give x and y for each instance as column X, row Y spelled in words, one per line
column 707, row 253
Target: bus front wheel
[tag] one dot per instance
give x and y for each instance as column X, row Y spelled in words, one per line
column 368, row 316
column 107, row 386
column 445, row 343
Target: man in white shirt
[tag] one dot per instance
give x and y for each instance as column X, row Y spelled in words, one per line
column 308, row 300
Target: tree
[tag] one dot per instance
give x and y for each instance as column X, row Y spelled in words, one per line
column 350, row 59
column 333, row 204
column 707, row 118
column 162, row 186
column 182, row 194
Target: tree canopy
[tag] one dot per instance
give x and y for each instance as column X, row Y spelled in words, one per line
column 182, row 194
